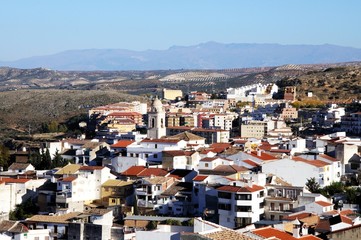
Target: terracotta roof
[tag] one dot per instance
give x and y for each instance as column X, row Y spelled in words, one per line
column 19, row 166
column 91, row 168
column 133, row 170
column 12, row 227
column 208, row 159
column 280, row 150
column 65, row 218
column 346, row 220
column 269, row 232
column 253, row 188
column 328, row 157
column 250, row 162
column 316, row 163
column 347, row 212
column 122, row 144
column 68, row 179
column 309, row 237
column 263, row 156
column 230, row 169
column 152, row 171
column 200, row 178
column 221, row 145
column 14, row 180
column 175, row 153
column 323, row 203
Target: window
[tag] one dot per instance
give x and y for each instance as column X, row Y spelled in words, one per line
column 243, row 208
column 224, row 206
column 113, row 200
column 155, row 156
column 243, row 197
column 146, row 155
column 206, row 164
column 226, row 195
column 155, row 145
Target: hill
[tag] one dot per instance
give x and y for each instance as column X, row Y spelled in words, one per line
column 210, row 55
column 24, row 109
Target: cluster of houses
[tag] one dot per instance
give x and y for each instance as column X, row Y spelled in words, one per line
column 187, row 177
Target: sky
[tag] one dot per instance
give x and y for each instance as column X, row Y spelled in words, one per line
column 41, row 27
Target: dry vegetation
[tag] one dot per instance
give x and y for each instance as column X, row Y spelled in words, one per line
column 23, row 108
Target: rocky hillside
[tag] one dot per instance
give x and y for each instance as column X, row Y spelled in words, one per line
column 22, row 109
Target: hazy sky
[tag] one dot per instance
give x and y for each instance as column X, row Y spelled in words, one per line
column 40, row 27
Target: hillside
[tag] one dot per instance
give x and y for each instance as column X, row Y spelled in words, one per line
column 24, row 109
column 210, row 55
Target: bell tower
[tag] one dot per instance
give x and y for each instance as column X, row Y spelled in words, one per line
column 156, row 120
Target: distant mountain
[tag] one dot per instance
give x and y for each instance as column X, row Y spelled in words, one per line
column 209, row 55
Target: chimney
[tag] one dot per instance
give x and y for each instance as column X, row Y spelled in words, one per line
column 259, row 152
column 296, row 228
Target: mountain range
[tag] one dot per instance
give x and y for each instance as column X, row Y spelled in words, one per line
column 210, row 55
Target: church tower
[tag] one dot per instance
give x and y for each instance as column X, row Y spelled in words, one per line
column 156, row 120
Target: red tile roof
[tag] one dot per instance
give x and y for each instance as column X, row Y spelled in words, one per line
column 200, row 178
column 298, row 216
column 152, row 171
column 208, row 159
column 91, row 168
column 263, row 156
column 133, row 171
column 253, row 188
column 280, row 150
column 269, row 232
column 250, row 162
column 14, row 180
column 323, row 203
column 316, row 163
column 346, row 220
column 309, row 237
column 68, row 179
column 221, row 145
column 328, row 157
column 122, row 144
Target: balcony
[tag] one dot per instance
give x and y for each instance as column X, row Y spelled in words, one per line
column 63, row 197
column 143, row 191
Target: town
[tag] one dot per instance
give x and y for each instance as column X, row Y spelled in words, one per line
column 244, row 163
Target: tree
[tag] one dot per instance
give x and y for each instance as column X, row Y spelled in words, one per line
column 333, row 188
column 4, row 157
column 24, row 210
column 58, row 161
column 312, row 185
column 46, row 159
column 35, row 160
column 151, row 225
